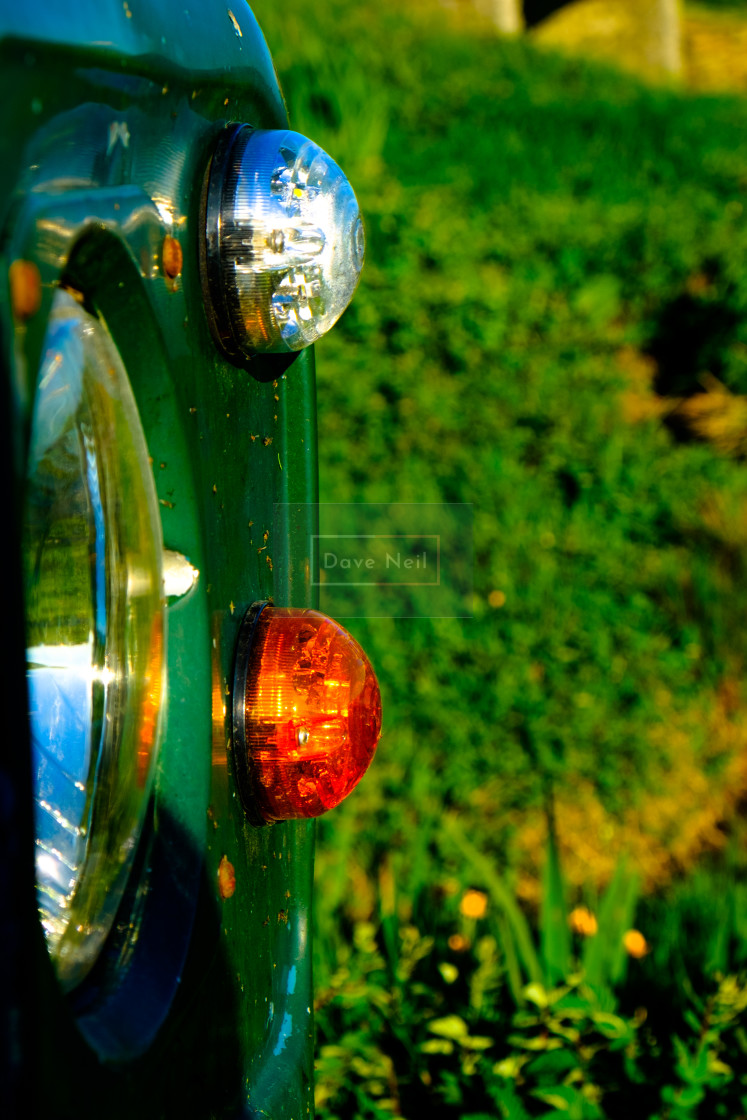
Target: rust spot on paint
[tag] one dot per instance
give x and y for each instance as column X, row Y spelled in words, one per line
column 283, row 917
column 226, row 878
column 172, row 257
column 25, row 289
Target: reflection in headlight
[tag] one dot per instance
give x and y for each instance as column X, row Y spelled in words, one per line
column 94, row 612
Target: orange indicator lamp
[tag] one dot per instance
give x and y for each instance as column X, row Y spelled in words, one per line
column 306, row 713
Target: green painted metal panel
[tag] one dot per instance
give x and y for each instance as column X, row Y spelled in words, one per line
column 114, row 109
column 201, row 39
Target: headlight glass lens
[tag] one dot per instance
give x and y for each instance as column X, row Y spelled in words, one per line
column 95, row 633
column 284, row 242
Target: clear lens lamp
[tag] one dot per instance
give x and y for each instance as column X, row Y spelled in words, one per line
column 284, row 242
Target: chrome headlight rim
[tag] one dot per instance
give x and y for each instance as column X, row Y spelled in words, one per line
column 95, row 622
column 120, row 1005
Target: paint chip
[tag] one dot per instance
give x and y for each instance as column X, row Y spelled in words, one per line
column 235, row 22
column 226, row 878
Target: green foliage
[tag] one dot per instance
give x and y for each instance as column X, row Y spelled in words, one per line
column 411, row 1024
column 710, row 1064
column 604, row 956
column 554, row 934
column 516, row 933
column 543, row 236
column 725, row 5
column 384, row 1052
column 528, row 218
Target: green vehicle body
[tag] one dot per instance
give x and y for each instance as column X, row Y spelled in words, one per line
column 203, row 1005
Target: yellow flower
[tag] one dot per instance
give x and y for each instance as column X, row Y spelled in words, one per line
column 635, row 944
column 582, row 922
column 457, row 943
column 474, row 904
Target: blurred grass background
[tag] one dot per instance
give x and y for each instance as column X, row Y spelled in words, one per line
column 536, row 902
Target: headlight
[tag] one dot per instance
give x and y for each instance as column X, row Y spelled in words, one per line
column 284, row 242
column 95, row 633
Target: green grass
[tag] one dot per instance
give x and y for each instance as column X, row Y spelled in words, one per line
column 540, row 233
column 720, row 5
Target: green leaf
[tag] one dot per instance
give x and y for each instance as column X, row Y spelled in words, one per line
column 437, row 1046
column 508, row 1103
column 513, row 971
column 700, row 1067
column 604, row 958
column 572, row 1034
column 448, row 971
column 559, row 1096
column 541, row 1042
column 555, row 1062
column 555, row 941
column 611, row 1026
column 509, row 1067
column 684, row 1061
column 451, row 1026
column 476, row 1042
column 690, row 1096
column 722, row 927
column 500, row 894
column 536, row 994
